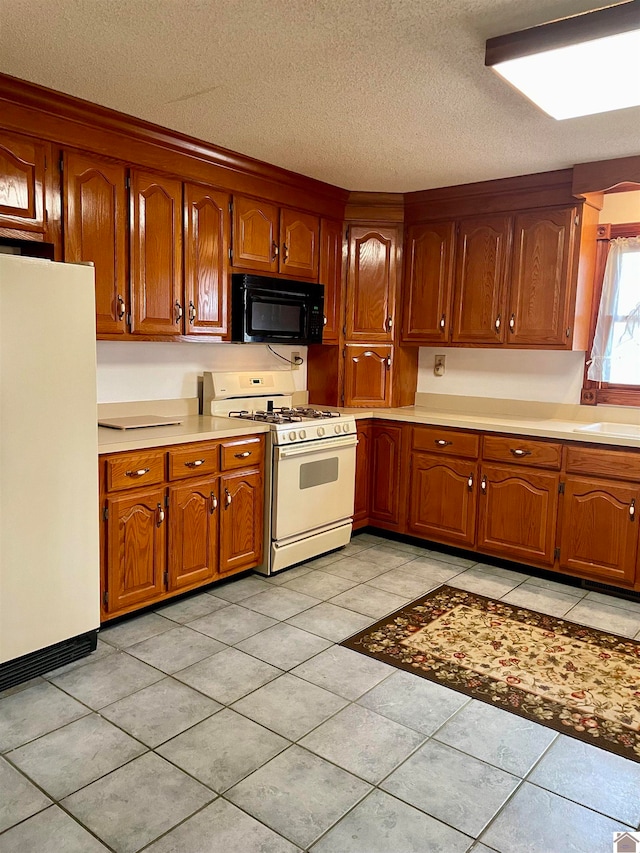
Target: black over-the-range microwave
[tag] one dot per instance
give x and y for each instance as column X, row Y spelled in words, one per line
column 276, row 310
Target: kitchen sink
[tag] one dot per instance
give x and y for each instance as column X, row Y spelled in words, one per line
column 620, row 430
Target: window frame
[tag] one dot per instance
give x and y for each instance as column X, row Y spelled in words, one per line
column 594, row 393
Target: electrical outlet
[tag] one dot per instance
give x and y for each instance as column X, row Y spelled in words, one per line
column 439, row 365
column 294, row 358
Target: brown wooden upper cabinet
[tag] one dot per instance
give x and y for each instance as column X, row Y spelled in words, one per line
column 274, row 239
column 371, row 283
column 511, row 278
column 206, row 249
column 429, row 269
column 23, row 163
column 95, row 216
column 367, row 375
column 156, row 255
column 331, row 277
column 482, row 254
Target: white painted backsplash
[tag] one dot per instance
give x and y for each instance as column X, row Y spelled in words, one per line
column 542, row 376
column 145, row 370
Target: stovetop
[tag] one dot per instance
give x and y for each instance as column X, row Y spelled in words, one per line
column 285, row 415
column 302, row 424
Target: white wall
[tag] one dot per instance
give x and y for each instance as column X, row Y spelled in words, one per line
column 621, row 207
column 541, row 376
column 148, row 370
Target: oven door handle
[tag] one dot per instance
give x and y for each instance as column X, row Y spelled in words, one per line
column 308, row 447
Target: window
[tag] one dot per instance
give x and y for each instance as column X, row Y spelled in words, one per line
column 612, row 372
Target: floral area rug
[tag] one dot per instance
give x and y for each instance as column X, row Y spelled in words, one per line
column 578, row 680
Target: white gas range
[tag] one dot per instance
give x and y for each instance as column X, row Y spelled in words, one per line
column 310, row 471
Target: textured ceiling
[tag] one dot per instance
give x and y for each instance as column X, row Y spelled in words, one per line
column 388, row 95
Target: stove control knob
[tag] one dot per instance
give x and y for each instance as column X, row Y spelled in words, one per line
column 292, row 436
column 320, row 431
column 302, row 434
column 345, row 427
column 336, row 428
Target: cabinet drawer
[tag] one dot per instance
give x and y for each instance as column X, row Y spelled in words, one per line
column 241, row 453
column 451, row 442
column 526, row 451
column 619, row 464
column 139, row 469
column 193, row 460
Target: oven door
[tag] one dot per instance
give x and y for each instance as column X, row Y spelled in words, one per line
column 313, row 486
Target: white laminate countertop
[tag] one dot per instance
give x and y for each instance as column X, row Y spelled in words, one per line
column 192, row 428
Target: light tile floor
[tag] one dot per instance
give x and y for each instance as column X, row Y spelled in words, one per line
column 230, row 721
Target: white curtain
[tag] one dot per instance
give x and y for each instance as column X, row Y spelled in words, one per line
column 610, row 337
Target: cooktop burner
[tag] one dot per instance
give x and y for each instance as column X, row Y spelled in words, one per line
column 278, row 416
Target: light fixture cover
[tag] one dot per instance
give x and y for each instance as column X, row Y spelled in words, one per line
column 577, row 66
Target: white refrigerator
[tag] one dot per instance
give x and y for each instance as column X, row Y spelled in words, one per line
column 49, row 547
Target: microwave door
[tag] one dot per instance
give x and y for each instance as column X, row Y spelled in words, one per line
column 271, row 316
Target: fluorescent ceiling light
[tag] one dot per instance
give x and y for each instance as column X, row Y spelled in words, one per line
column 576, row 66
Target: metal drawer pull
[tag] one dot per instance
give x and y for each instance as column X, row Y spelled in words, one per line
column 195, row 464
column 442, row 322
column 214, row 503
column 483, row 485
column 242, row 455
column 470, row 482
column 139, row 473
column 518, row 452
column 632, row 509
column 498, row 322
column 442, row 443
column 512, row 323
column 160, row 515
column 227, row 497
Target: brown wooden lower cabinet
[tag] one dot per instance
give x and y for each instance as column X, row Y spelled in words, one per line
column 517, row 514
column 175, row 536
column 599, row 529
column 363, row 475
column 385, row 506
column 442, row 499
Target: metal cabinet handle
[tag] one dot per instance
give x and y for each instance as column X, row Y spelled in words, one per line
column 214, row 503
column 274, row 250
column 324, row 319
column 632, row 509
column 160, row 515
column 518, row 452
column 442, row 443
column 285, row 253
column 227, row 497
column 388, row 362
column 498, row 322
column 512, row 323
column 139, row 473
column 389, row 323
column 443, row 321
column 470, row 482
column 192, row 311
column 242, row 455
column 195, row 464
column 121, row 307
column 179, row 311
column 483, row 485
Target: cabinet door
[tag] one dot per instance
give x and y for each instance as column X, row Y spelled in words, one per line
column 156, row 255
column 193, row 533
column 363, row 475
column 540, row 278
column 299, row 243
column 95, row 229
column 22, row 182
column 482, row 255
column 442, row 499
column 367, row 375
column 255, row 234
column 206, row 249
column 136, row 548
column 371, row 283
column 331, row 278
column 518, row 514
column 241, row 522
column 599, row 532
column 386, row 449
column 428, row 282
